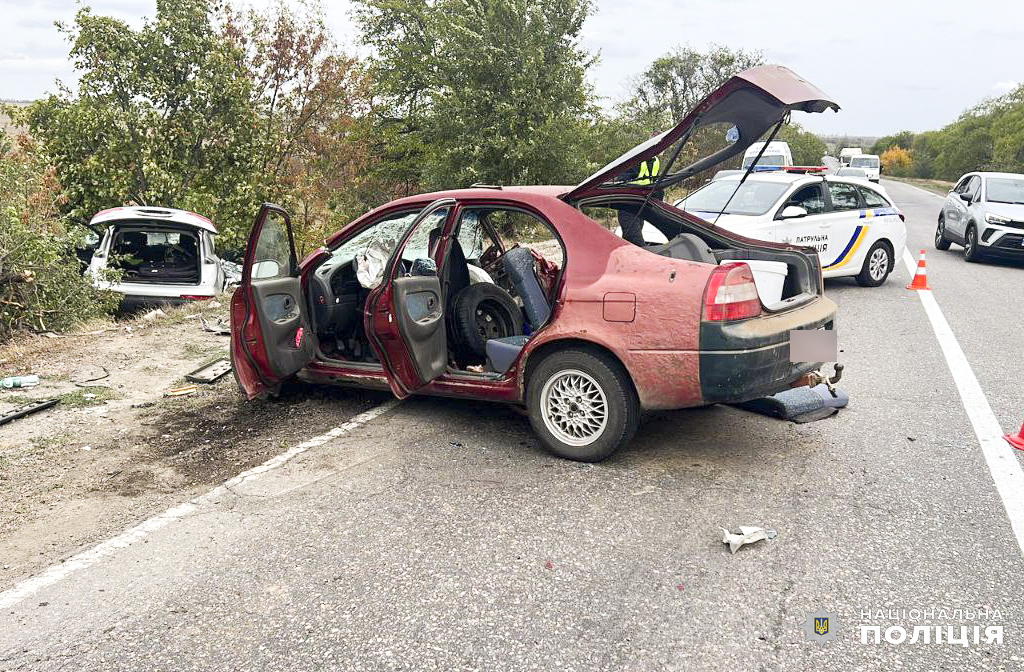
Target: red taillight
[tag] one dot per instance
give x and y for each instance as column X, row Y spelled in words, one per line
column 731, row 294
column 196, row 297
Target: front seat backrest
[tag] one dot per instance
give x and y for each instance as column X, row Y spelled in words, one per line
column 454, row 273
column 519, row 264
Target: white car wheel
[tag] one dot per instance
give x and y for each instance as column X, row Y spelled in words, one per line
column 575, row 407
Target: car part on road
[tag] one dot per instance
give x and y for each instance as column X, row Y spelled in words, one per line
column 27, row 409
column 1016, row 441
column 878, row 263
column 582, row 405
column 482, row 312
column 940, row 235
column 209, row 373
column 800, row 405
column 745, row 535
column 921, row 275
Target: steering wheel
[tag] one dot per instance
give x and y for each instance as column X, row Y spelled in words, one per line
column 491, row 258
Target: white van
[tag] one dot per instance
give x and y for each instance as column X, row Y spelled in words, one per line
column 869, row 163
column 776, row 154
column 847, row 153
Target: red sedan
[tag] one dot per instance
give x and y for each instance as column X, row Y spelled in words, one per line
column 524, row 295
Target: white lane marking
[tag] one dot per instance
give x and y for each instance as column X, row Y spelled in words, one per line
column 1002, row 463
column 88, row 558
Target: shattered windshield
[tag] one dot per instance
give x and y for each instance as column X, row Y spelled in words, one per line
column 752, row 198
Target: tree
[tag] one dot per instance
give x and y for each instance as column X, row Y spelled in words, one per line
column 896, row 161
column 40, row 290
column 162, row 117
column 807, row 148
column 674, row 83
column 472, row 91
column 211, row 113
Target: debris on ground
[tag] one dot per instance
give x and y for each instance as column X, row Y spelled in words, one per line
column 220, row 327
column 209, row 373
column 19, row 381
column 27, row 409
column 86, row 377
column 181, row 391
column 154, row 315
column 746, row 535
column 800, row 405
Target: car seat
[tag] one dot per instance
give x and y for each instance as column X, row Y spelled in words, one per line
column 454, row 272
column 519, row 265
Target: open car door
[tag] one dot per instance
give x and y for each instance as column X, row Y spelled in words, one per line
column 405, row 314
column 270, row 334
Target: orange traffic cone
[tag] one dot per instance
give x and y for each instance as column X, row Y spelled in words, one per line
column 1016, row 441
column 921, row 277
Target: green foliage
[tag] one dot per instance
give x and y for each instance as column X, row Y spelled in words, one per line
column 807, row 148
column 41, row 284
column 472, row 91
column 207, row 113
column 673, row 85
column 989, row 136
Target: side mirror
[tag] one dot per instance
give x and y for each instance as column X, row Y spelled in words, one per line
column 265, row 269
column 792, row 212
column 967, row 198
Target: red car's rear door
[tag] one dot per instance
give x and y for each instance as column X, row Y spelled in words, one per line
column 270, row 334
column 405, row 314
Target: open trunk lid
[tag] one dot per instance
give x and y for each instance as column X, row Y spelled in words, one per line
column 752, row 101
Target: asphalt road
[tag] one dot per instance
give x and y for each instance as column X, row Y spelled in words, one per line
column 440, row 536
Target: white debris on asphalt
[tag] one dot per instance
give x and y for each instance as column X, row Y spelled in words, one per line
column 746, row 535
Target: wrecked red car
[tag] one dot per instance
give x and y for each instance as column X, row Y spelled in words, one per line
column 520, row 295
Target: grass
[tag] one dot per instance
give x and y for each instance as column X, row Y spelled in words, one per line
column 940, row 187
column 88, row 396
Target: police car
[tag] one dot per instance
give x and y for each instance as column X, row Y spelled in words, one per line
column 852, row 223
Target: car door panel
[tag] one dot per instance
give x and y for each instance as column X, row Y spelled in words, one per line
column 270, row 335
column 406, row 318
column 844, row 229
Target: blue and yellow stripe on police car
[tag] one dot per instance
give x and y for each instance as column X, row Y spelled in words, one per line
column 859, row 234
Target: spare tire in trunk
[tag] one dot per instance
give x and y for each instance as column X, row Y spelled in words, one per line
column 479, row 313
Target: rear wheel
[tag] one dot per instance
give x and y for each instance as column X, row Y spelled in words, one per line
column 877, row 266
column 582, row 405
column 940, row 235
column 971, row 244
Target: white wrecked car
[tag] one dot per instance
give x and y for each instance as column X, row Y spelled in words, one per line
column 164, row 255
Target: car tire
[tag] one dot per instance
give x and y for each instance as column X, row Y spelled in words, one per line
column 940, row 235
column 588, row 432
column 480, row 312
column 971, row 252
column 878, row 263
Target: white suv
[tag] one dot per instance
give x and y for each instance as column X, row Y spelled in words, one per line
column 984, row 212
column 163, row 255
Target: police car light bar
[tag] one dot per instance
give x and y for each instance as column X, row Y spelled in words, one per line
column 806, row 169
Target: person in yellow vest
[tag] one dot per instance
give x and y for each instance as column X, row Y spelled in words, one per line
column 632, row 225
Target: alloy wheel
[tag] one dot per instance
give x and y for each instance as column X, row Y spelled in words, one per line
column 878, row 264
column 574, row 407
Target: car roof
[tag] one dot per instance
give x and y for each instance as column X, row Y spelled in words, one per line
column 153, row 214
column 496, row 192
column 995, row 174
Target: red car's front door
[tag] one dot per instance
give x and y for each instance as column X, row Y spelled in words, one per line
column 270, row 334
column 405, row 314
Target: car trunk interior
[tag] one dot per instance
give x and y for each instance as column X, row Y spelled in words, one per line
column 157, row 254
column 692, row 242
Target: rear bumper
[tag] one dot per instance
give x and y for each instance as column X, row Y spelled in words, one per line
column 749, row 359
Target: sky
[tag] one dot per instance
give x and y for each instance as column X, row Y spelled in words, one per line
column 891, row 65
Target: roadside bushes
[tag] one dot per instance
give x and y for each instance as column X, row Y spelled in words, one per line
column 897, row 162
column 41, row 284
